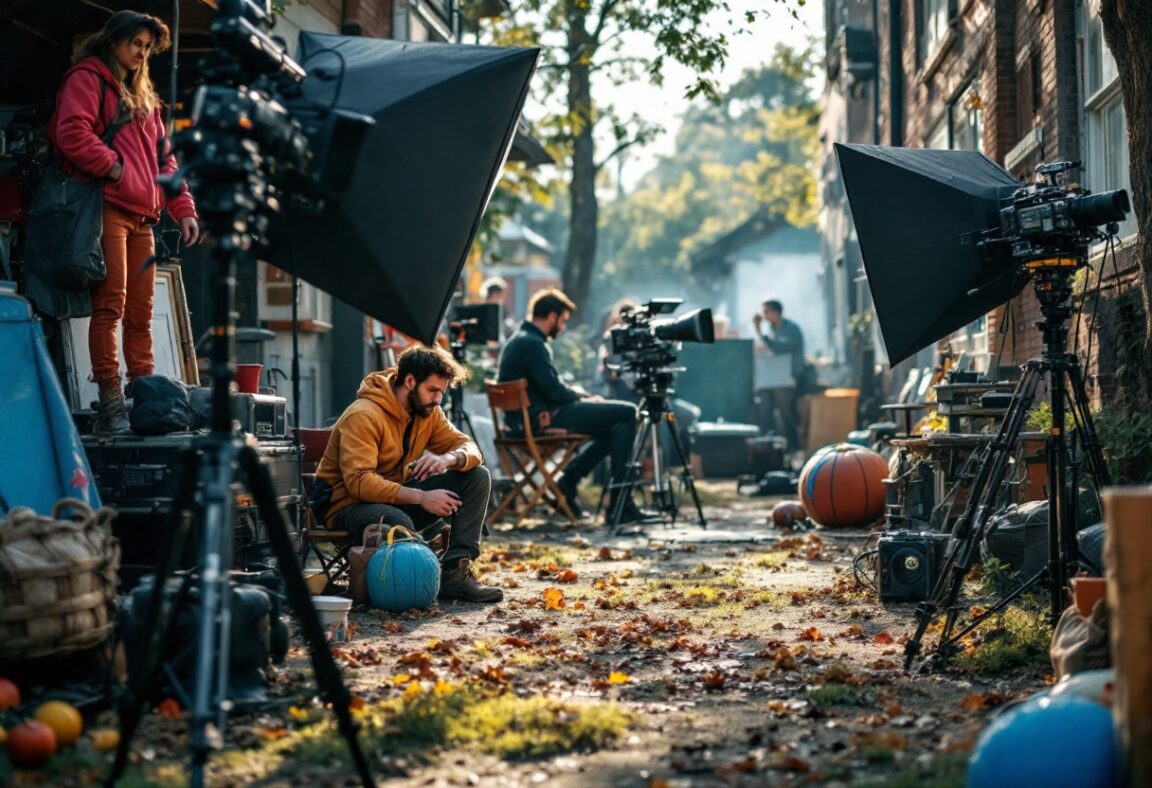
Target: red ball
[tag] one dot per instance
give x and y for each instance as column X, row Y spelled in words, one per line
column 787, row 514
column 844, row 487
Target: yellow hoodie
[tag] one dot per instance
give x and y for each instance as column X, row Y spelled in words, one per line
column 365, row 461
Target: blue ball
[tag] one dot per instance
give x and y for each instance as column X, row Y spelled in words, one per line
column 404, row 576
column 1050, row 742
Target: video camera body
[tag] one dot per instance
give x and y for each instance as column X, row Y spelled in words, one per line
column 1048, row 219
column 649, row 347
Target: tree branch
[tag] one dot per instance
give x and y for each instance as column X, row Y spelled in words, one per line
column 623, row 146
column 601, row 23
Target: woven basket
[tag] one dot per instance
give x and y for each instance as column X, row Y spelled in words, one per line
column 57, row 581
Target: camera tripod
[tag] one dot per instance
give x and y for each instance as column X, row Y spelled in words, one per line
column 229, row 183
column 1051, row 279
column 653, row 414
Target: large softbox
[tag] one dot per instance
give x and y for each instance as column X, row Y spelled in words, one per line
column 920, row 216
column 393, row 243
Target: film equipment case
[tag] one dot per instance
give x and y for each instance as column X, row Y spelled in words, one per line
column 137, row 476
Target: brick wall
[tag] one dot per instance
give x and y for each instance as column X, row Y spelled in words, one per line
column 374, row 16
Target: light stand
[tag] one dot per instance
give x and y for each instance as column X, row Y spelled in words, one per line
column 458, row 344
column 654, row 414
column 1051, row 279
column 229, row 168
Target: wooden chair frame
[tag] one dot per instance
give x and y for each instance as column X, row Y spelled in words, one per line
column 532, row 460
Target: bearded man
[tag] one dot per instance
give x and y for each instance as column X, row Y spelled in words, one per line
column 394, row 457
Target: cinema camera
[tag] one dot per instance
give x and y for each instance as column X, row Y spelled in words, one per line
column 1048, row 219
column 648, row 347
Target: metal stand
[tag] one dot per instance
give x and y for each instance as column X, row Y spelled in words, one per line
column 456, row 413
column 1051, row 280
column 229, row 182
column 654, row 412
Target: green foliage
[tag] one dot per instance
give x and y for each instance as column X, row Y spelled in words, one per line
column 585, row 43
column 998, row 578
column 751, row 154
column 1126, row 436
column 836, row 694
column 1020, row 637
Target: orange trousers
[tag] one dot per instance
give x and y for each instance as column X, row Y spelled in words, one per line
column 126, row 295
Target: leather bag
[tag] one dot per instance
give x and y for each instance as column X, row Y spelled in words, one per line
column 65, row 223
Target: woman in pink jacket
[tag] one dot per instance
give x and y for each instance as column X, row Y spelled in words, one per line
column 108, row 83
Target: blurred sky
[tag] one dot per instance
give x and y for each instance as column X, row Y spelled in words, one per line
column 747, row 50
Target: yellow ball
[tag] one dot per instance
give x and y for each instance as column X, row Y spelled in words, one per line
column 63, row 719
column 105, row 739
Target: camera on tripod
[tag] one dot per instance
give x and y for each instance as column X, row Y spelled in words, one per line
column 649, row 347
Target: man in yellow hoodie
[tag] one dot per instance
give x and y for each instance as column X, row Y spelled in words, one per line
column 394, row 457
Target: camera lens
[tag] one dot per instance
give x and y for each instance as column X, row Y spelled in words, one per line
column 1093, row 210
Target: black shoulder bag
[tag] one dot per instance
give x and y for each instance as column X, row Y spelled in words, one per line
column 65, row 223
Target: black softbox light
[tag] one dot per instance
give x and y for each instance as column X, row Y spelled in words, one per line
column 393, row 243
column 919, row 216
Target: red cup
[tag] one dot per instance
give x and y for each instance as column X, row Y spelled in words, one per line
column 248, row 378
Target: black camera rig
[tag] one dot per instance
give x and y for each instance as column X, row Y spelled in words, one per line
column 1050, row 219
column 649, row 347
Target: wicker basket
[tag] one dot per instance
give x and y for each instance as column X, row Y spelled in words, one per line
column 57, row 581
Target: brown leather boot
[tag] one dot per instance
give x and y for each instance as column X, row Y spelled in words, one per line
column 459, row 583
column 111, row 411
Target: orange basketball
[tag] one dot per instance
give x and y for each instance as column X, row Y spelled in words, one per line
column 844, row 487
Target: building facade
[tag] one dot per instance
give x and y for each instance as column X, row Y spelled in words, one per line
column 1022, row 81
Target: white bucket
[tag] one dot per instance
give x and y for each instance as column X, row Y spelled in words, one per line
column 333, row 613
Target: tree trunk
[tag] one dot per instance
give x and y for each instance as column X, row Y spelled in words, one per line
column 1126, row 30
column 584, row 217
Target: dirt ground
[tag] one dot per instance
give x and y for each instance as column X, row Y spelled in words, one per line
column 732, row 654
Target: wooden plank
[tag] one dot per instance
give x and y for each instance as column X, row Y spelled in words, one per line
column 1128, row 558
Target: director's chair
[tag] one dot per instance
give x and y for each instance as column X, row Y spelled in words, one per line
column 531, row 459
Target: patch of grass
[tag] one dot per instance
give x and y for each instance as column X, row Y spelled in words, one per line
column 1020, row 637
column 773, row 560
column 833, row 694
column 765, row 598
column 504, row 725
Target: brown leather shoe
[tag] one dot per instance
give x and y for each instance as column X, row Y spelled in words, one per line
column 460, row 583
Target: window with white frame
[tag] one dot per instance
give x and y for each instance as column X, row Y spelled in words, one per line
column 932, row 16
column 1105, row 128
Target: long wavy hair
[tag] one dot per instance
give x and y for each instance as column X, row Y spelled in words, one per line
column 139, row 96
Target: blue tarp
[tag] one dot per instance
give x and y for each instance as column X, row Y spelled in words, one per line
column 41, row 457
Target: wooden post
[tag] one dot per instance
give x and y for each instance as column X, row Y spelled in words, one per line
column 1128, row 558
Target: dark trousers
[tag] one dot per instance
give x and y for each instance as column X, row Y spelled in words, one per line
column 776, row 412
column 612, row 426
column 474, row 488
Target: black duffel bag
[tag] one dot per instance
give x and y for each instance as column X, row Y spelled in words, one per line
column 160, row 405
column 65, row 222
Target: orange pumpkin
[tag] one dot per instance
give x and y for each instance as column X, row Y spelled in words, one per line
column 9, row 695
column 30, row 744
column 64, row 720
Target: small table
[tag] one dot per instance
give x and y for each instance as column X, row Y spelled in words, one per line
column 906, row 409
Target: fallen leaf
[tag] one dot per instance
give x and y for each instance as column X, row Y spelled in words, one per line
column 883, row 639
column 170, row 709
column 567, row 576
column 616, row 677
column 812, row 634
column 553, row 599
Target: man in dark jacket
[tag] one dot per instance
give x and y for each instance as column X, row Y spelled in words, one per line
column 782, row 336
column 611, row 423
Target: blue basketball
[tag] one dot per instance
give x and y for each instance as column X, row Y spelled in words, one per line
column 403, row 576
column 1051, row 742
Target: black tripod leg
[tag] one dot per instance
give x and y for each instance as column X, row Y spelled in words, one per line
column 969, row 529
column 689, row 480
column 157, row 623
column 625, row 487
column 323, row 665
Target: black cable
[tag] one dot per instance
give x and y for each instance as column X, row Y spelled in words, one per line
column 866, row 553
column 343, row 69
